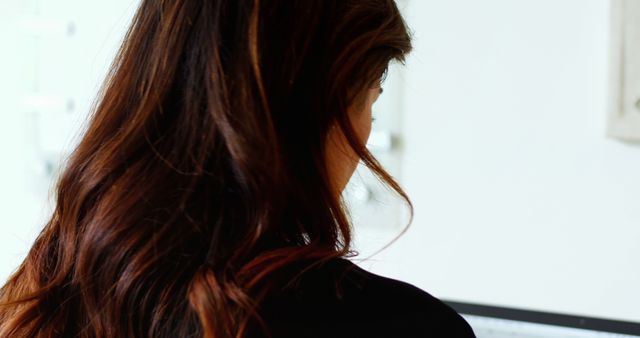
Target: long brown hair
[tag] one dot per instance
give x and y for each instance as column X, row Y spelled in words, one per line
column 201, row 170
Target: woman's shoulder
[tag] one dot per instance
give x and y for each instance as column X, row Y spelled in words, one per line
column 340, row 295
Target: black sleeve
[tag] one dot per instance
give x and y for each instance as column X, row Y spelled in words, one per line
column 456, row 327
column 368, row 306
column 417, row 325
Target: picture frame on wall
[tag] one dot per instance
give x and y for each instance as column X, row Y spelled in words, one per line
column 623, row 121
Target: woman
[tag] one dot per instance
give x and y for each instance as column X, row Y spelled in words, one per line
column 204, row 197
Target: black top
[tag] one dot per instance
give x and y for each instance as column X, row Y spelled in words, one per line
column 339, row 300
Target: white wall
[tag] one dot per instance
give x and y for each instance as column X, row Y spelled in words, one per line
column 520, row 198
column 55, row 55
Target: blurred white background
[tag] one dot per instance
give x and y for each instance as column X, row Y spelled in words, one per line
column 54, row 57
column 521, row 199
column 499, row 121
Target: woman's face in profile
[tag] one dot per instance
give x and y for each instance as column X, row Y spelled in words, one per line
column 341, row 158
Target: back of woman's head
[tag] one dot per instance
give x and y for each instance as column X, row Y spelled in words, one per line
column 201, row 172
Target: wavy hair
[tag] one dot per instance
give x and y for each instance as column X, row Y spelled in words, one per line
column 201, row 171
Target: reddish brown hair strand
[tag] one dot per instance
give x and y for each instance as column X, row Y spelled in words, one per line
column 201, row 172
